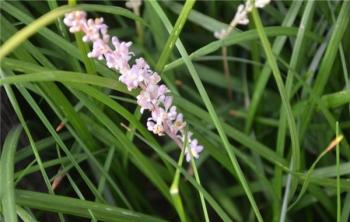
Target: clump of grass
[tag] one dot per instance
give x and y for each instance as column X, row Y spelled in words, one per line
column 86, row 143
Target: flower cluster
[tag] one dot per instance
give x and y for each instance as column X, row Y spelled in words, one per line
column 154, row 96
column 241, row 16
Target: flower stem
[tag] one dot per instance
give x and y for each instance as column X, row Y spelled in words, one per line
column 83, row 47
column 174, row 190
column 196, row 175
column 227, row 72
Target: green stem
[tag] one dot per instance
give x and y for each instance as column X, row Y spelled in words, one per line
column 295, row 158
column 83, row 47
column 211, row 110
column 174, row 190
column 174, row 35
column 196, row 175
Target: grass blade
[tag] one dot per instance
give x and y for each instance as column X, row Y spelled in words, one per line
column 327, row 63
column 175, row 191
column 7, row 175
column 50, row 17
column 174, row 35
column 294, row 65
column 295, row 159
column 334, row 143
column 24, row 215
column 211, row 110
column 72, row 206
column 196, row 176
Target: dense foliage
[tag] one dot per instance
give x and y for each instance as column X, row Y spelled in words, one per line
column 265, row 92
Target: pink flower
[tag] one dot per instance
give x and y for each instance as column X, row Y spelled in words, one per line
column 149, row 97
column 99, row 50
column 93, row 29
column 132, row 77
column 167, row 102
column 142, row 64
column 177, row 125
column 119, row 58
column 156, row 128
column 194, row 150
column 172, row 113
column 153, row 96
column 75, row 21
column 157, row 121
column 152, row 79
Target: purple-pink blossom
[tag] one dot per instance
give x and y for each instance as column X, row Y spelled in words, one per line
column 241, row 16
column 154, row 96
column 193, row 148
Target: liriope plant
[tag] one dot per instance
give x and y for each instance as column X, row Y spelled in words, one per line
column 104, row 115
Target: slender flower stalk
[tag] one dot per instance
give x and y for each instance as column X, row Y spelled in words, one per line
column 154, row 96
column 240, row 18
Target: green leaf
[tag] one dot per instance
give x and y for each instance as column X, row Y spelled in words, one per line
column 174, row 35
column 240, row 39
column 81, row 208
column 50, row 17
column 211, row 110
column 24, row 215
column 266, row 71
column 7, row 174
column 295, row 159
column 65, row 76
column 337, row 99
column 327, row 63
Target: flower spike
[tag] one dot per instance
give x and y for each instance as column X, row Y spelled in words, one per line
column 154, row 97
